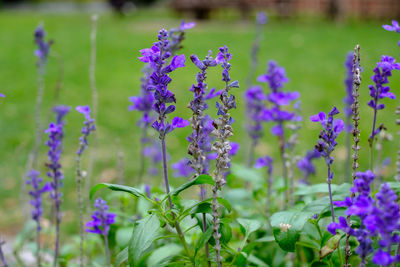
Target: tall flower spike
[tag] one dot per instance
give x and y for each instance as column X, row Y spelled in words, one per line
column 355, row 132
column 36, row 201
column 177, row 35
column 327, row 141
column 222, row 130
column 348, row 101
column 56, row 135
column 100, row 223
column 156, row 57
column 276, row 78
column 380, row 90
column 43, row 47
column 83, row 144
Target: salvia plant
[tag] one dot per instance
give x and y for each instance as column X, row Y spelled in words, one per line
column 224, row 213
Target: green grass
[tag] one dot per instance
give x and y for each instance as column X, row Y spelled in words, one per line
column 312, row 52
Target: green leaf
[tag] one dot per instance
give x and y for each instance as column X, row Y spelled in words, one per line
column 116, row 187
column 122, row 257
column 122, row 236
column 161, row 256
column 201, row 179
column 143, row 237
column 256, row 261
column 286, row 227
column 265, row 239
column 330, row 247
column 203, row 239
column 248, row 226
column 248, row 174
column 314, row 189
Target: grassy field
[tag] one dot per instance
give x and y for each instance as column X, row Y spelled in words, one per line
column 312, row 52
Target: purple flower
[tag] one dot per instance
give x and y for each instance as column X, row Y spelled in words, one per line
column 147, row 190
column 86, row 129
column 330, row 130
column 255, row 97
column 183, row 168
column 156, row 56
column 266, row 161
column 2, row 95
column 43, row 46
column 276, row 78
column 348, row 100
column 101, row 219
column 393, row 28
column 177, row 35
column 261, row 18
column 36, row 195
column 56, row 135
column 306, row 166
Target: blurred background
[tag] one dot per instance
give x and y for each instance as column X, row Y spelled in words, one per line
column 310, row 38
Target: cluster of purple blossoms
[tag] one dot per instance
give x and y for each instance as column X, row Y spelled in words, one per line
column 276, row 78
column 43, row 46
column 348, row 100
column 177, row 35
column 382, row 71
column 156, row 56
column 331, row 128
column 255, row 109
column 380, row 217
column 101, row 219
column 306, row 166
column 265, row 161
column 56, row 135
column 86, row 130
column 36, row 195
column 395, row 27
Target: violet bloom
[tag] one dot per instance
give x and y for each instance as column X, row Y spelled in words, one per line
column 306, row 166
column 348, row 100
column 101, row 219
column 2, row 95
column 380, row 90
column 254, row 110
column 156, row 56
column 183, row 168
column 276, row 78
column 177, row 35
column 56, row 135
column 385, row 220
column 87, row 129
column 327, row 141
column 36, row 195
column 43, row 46
column 100, row 223
column 361, row 206
column 395, row 27
column 265, row 162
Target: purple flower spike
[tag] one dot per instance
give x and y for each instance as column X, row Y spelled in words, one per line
column 86, row 130
column 380, row 90
column 255, row 109
column 393, row 28
column 36, row 194
column 43, row 46
column 348, row 100
column 266, row 161
column 101, row 219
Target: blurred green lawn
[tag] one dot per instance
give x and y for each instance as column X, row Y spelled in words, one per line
column 312, row 52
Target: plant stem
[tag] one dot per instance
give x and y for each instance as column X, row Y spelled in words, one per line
column 284, row 169
column 216, row 235
column 329, row 181
column 95, row 101
column 348, row 154
column 142, row 157
column 269, row 192
column 371, row 142
column 176, row 223
column 80, row 206
column 107, row 250
column 202, row 197
column 38, row 244
column 58, row 220
column 2, row 257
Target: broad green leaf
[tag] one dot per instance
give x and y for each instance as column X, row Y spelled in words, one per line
column 201, row 179
column 286, row 227
column 203, row 239
column 248, row 226
column 256, row 261
column 265, row 239
column 143, row 237
column 161, row 256
column 248, row 174
column 314, row 189
column 116, row 187
column 122, row 257
column 122, row 236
